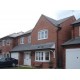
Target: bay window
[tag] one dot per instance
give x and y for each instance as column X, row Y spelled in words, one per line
column 42, row 56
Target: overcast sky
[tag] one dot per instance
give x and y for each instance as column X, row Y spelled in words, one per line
column 22, row 15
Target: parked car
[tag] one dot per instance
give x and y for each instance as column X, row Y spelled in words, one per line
column 8, row 62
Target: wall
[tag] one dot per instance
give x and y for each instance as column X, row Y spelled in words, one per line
column 43, row 64
column 63, row 35
column 43, row 23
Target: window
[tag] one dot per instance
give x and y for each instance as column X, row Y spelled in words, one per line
column 43, row 34
column 0, row 43
column 42, row 56
column 22, row 40
column 79, row 30
column 3, row 43
column 8, row 42
column 46, row 55
column 29, row 39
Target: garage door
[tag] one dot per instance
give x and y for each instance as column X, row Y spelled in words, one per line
column 73, row 58
column 15, row 55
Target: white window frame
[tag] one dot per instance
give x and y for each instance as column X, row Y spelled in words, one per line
column 21, row 40
column 8, row 42
column 29, row 39
column 79, row 30
column 3, row 42
column 44, row 35
column 38, row 53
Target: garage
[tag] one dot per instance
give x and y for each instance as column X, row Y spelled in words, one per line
column 73, row 58
column 15, row 55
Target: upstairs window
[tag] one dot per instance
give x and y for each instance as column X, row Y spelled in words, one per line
column 22, row 40
column 29, row 39
column 79, row 30
column 0, row 43
column 3, row 42
column 8, row 42
column 43, row 34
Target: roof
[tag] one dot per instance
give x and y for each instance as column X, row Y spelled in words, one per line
column 57, row 22
column 25, row 47
column 27, row 32
column 14, row 35
column 73, row 41
column 77, row 21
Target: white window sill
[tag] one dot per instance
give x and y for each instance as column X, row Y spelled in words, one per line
column 42, row 61
column 21, row 43
column 42, row 38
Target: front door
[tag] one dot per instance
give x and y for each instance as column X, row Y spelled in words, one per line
column 27, row 58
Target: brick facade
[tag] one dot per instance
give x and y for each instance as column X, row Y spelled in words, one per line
column 58, row 35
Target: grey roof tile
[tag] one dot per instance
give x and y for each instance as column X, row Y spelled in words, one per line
column 25, row 47
column 56, row 22
column 77, row 21
column 73, row 41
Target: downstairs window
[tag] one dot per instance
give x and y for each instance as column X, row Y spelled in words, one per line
column 42, row 56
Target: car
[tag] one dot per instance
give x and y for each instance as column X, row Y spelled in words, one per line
column 8, row 62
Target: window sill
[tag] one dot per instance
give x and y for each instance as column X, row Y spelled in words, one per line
column 43, row 39
column 42, row 61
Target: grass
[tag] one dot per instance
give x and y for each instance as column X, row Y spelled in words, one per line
column 23, row 67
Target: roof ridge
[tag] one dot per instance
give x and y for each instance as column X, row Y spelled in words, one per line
column 56, row 22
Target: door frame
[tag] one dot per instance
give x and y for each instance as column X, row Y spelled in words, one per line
column 29, row 52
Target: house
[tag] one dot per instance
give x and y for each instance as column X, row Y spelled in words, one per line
column 7, row 43
column 44, row 49
column 21, row 50
column 72, row 48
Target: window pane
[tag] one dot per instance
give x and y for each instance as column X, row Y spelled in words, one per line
column 41, row 56
column 46, row 34
column 29, row 39
column 36, row 56
column 21, row 40
column 46, row 55
column 38, row 35
column 42, row 34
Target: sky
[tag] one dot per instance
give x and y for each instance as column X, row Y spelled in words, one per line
column 22, row 15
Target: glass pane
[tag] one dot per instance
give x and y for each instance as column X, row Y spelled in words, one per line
column 41, row 55
column 46, row 55
column 36, row 56
column 46, row 34
column 42, row 34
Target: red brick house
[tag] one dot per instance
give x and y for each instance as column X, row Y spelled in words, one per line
column 44, row 49
column 7, row 43
column 72, row 48
column 21, row 51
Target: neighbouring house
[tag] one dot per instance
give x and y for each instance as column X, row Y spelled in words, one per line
column 41, row 47
column 7, row 43
column 21, row 50
column 71, row 50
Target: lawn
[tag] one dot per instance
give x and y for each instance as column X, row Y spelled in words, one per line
column 23, row 67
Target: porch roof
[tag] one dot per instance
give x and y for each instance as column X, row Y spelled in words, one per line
column 27, row 47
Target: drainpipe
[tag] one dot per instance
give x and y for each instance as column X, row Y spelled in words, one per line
column 73, row 33
column 57, row 42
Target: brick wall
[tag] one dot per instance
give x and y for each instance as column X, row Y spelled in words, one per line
column 43, row 23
